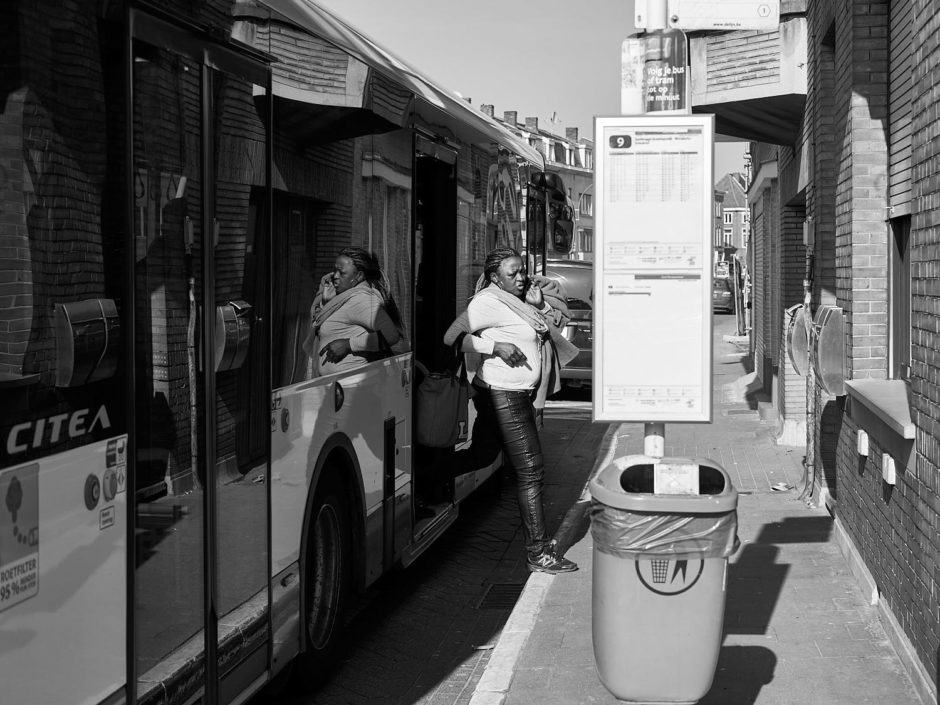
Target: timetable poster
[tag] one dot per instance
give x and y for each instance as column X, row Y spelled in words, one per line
column 653, row 268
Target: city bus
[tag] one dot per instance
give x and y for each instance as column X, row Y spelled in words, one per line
column 186, row 508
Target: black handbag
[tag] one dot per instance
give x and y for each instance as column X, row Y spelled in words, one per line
column 442, row 418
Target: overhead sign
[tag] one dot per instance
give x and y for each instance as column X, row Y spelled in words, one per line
column 653, row 273
column 699, row 15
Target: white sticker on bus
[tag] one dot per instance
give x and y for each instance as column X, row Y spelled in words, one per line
column 19, row 535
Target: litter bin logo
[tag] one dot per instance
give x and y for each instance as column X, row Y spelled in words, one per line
column 669, row 576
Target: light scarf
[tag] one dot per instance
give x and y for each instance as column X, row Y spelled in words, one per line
column 322, row 311
column 550, row 381
column 520, row 307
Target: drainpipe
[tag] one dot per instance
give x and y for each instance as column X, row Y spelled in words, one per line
column 809, row 460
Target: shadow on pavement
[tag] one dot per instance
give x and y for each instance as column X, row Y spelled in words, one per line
column 797, row 530
column 577, row 531
column 741, row 673
column 755, row 581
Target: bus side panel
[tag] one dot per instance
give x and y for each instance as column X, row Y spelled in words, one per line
column 305, row 416
column 63, row 579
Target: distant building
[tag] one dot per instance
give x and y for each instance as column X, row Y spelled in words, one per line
column 735, row 215
column 572, row 158
column 718, row 218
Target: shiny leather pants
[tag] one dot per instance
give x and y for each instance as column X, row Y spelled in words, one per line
column 506, row 421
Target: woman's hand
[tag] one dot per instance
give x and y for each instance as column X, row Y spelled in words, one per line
column 509, row 353
column 533, row 295
column 336, row 350
column 327, row 290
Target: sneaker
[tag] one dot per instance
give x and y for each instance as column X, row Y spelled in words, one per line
column 548, row 562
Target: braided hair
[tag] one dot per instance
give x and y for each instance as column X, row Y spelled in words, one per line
column 367, row 263
column 494, row 258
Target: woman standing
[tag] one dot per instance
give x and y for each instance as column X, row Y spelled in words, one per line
column 506, row 324
column 354, row 318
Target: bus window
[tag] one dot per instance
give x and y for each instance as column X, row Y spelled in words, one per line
column 168, row 236
column 363, row 201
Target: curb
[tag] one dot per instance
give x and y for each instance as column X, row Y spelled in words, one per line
column 494, row 684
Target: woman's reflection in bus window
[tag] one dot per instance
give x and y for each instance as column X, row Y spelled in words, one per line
column 354, row 318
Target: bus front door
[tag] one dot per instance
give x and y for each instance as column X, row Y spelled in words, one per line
column 201, row 495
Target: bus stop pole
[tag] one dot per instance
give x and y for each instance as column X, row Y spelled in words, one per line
column 654, row 439
column 654, row 433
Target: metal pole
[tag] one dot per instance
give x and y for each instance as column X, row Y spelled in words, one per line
column 654, row 433
column 548, row 234
column 654, row 439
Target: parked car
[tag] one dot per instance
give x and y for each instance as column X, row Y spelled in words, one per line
column 722, row 295
column 577, row 277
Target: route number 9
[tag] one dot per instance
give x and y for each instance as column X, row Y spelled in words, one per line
column 620, row 141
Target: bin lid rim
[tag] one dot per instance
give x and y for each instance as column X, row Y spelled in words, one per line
column 605, row 488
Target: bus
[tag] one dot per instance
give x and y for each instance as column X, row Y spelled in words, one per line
column 187, row 509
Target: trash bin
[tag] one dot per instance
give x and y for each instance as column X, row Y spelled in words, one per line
column 659, row 576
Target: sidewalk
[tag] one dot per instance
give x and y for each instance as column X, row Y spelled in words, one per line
column 797, row 631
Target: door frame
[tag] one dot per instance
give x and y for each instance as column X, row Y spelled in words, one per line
column 175, row 35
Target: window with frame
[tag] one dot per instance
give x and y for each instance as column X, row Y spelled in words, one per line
column 587, row 240
column 729, row 217
column 587, row 204
column 899, row 302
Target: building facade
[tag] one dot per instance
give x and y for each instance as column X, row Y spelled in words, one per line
column 845, row 215
column 572, row 158
column 735, row 215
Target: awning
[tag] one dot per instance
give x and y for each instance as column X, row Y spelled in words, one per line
column 434, row 102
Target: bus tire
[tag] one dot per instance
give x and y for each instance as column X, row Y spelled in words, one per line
column 327, row 580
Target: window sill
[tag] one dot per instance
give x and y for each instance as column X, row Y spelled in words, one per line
column 881, row 402
column 10, row 380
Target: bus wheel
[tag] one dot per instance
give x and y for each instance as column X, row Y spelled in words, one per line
column 326, row 588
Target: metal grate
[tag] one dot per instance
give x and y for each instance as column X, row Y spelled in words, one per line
column 500, row 596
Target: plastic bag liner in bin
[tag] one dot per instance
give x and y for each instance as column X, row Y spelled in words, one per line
column 629, row 521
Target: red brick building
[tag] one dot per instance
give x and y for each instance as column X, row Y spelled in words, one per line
column 841, row 104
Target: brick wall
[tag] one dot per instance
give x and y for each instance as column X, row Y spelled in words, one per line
column 893, row 527
column 922, row 484
column 791, row 386
column 753, row 55
column 758, row 292
column 773, row 300
column 16, row 311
